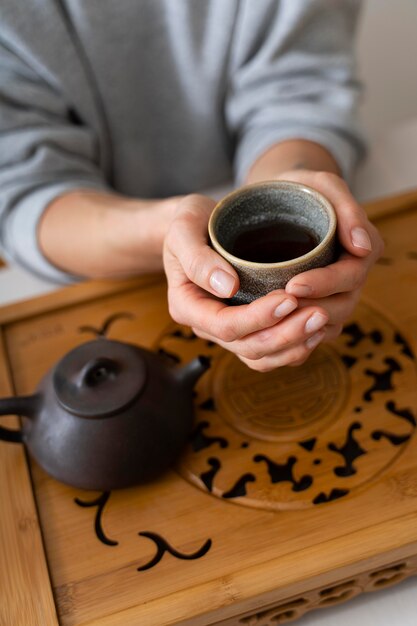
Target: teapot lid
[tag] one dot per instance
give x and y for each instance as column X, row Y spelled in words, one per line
column 99, row 378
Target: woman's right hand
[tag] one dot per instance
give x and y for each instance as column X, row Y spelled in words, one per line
column 265, row 334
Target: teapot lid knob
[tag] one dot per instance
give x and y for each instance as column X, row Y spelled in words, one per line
column 99, row 378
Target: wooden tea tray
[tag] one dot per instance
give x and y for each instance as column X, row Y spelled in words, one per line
column 298, row 489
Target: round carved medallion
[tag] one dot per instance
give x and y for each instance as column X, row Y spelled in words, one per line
column 303, row 436
column 287, row 403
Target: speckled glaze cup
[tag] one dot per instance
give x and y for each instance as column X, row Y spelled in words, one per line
column 269, row 204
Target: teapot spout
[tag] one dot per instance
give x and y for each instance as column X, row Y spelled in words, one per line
column 188, row 375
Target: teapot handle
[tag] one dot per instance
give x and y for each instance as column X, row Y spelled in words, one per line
column 22, row 405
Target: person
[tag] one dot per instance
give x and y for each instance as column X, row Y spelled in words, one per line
column 115, row 116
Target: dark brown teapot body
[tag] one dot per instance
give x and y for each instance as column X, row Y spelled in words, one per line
column 108, row 415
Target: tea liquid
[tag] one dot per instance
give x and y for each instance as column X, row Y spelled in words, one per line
column 273, row 243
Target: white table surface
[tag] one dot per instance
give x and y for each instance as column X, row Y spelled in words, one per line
column 390, row 168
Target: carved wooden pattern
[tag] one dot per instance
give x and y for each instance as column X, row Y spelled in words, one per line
column 294, row 608
column 276, row 491
column 161, row 544
column 301, row 437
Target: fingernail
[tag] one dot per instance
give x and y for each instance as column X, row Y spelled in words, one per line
column 360, row 238
column 302, row 291
column 315, row 322
column 314, row 340
column 222, row 283
column 284, row 308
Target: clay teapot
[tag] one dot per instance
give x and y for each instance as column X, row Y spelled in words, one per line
column 108, row 415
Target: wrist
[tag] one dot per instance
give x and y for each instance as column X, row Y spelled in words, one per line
column 135, row 233
column 290, row 156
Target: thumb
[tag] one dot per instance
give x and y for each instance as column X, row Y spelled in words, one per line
column 187, row 241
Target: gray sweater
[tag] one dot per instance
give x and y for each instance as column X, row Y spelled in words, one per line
column 153, row 98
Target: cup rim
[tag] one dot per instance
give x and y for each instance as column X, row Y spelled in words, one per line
column 278, row 264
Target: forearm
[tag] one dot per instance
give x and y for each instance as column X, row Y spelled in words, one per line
column 291, row 155
column 104, row 235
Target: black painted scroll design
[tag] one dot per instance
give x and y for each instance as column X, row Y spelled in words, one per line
column 350, row 451
column 382, row 380
column 209, row 476
column 405, row 414
column 308, row 444
column 357, row 335
column 163, row 546
column 104, row 328
column 239, row 488
column 282, row 472
column 395, row 440
column 180, row 333
column 187, row 335
column 334, row 494
column 405, row 346
column 200, row 440
column 100, row 503
column 349, row 361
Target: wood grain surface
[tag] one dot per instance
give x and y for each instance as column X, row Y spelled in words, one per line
column 260, row 521
column 25, row 589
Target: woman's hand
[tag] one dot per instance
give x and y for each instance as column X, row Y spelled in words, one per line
column 283, row 327
column 268, row 333
column 336, row 288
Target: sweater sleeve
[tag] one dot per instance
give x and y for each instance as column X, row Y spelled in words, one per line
column 292, row 76
column 45, row 151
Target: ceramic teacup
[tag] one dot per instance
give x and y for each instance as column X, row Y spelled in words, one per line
column 270, row 232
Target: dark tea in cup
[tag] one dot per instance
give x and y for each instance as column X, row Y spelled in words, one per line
column 273, row 242
column 270, row 232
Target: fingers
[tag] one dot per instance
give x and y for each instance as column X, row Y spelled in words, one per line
column 292, row 355
column 193, row 307
column 355, row 232
column 332, row 331
column 353, row 225
column 338, row 307
column 347, row 274
column 296, row 355
column 187, row 242
column 360, row 239
column 283, row 327
column 288, row 335
column 196, row 273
